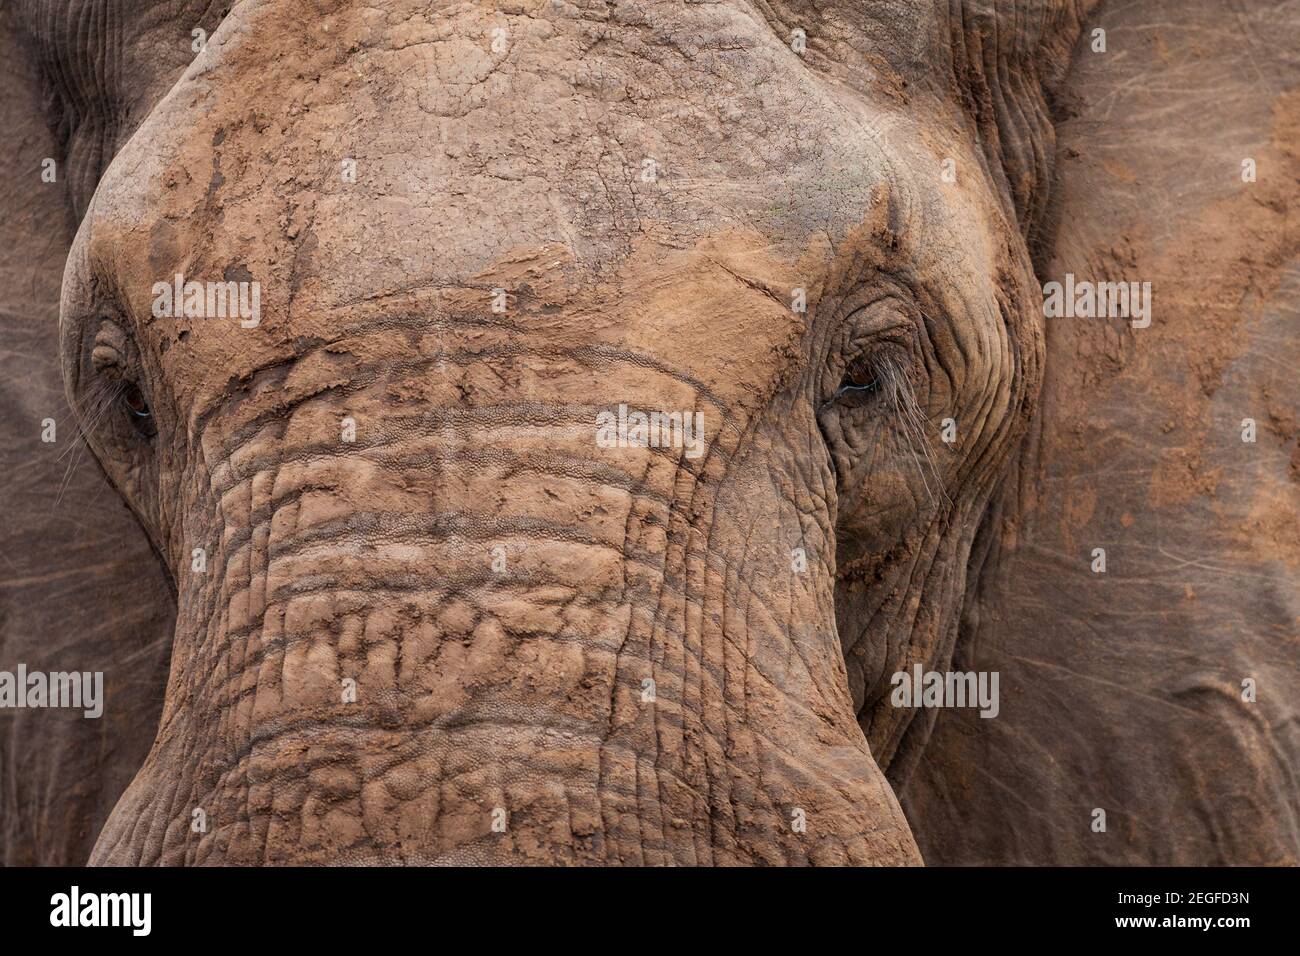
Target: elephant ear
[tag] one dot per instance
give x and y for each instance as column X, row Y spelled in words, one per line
column 1008, row 61
column 80, row 587
column 1148, row 711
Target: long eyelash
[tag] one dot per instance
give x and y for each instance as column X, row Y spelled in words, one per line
column 913, row 421
column 103, row 396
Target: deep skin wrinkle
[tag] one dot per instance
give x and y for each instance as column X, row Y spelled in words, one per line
column 346, row 465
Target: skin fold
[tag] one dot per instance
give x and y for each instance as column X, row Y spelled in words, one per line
column 370, row 591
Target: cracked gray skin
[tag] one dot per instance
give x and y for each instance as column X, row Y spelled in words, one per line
column 496, row 586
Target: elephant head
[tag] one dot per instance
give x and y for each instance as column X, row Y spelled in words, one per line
column 556, row 423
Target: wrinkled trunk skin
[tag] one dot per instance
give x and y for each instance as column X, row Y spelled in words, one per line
column 516, row 692
column 503, row 713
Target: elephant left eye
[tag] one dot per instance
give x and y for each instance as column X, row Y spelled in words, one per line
column 134, row 401
column 138, row 409
column 863, row 379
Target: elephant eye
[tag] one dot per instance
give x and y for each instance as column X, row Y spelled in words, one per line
column 860, row 378
column 863, row 379
column 109, row 358
column 137, row 409
column 134, row 401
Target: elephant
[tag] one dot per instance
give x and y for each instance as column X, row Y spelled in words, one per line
column 556, row 432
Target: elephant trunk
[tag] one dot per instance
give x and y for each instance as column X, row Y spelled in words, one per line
column 476, row 635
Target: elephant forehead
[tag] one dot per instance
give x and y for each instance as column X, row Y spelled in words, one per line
column 399, row 141
column 653, row 181
column 365, row 154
